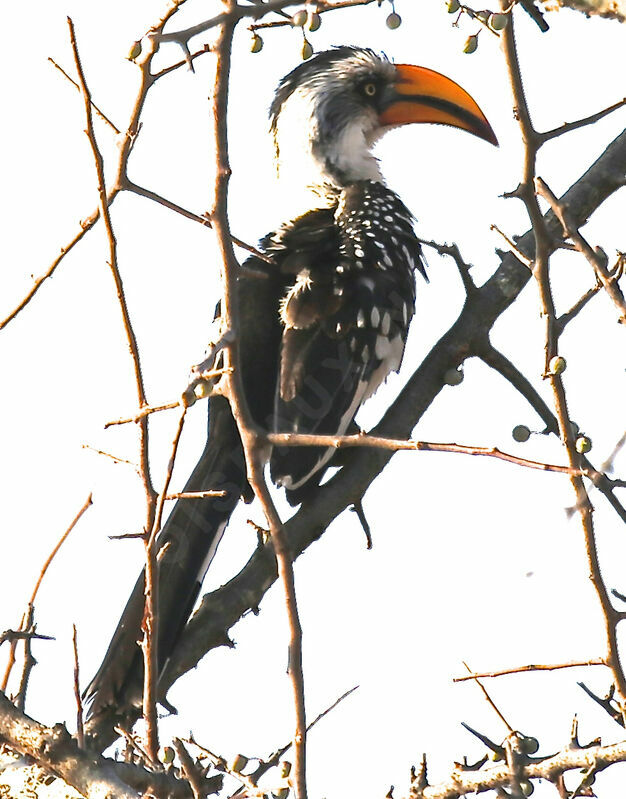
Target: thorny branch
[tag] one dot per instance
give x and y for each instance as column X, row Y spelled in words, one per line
column 26, row 630
column 542, row 250
column 90, row 774
column 464, row 781
column 531, row 667
column 606, row 280
column 150, row 619
column 254, row 450
column 121, row 181
column 396, row 445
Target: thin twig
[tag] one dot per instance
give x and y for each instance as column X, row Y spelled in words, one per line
column 377, row 442
column 115, row 458
column 156, row 527
column 322, row 8
column 133, row 743
column 202, row 220
column 273, row 760
column 129, row 138
column 531, row 667
column 143, row 412
column 84, row 507
column 80, row 733
column 235, row 13
column 489, row 699
column 25, row 625
column 532, row 141
column 21, row 635
column 609, row 283
column 195, row 494
column 566, row 127
column 185, row 62
column 150, row 642
column 85, row 226
column 565, row 318
column 254, row 451
column 100, row 113
column 513, row 246
column 144, row 466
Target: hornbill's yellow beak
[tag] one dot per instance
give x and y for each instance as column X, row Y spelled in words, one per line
column 422, row 95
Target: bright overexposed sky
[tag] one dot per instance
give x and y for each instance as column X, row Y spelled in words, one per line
column 473, row 559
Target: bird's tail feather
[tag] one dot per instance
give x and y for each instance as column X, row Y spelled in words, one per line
column 187, row 544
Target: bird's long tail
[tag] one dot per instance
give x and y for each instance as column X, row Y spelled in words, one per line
column 187, row 544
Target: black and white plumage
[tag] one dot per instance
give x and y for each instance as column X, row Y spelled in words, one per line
column 321, row 332
column 345, row 318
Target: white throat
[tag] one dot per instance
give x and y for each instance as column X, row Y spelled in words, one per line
column 305, row 169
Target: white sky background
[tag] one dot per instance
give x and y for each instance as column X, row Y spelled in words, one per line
column 473, row 559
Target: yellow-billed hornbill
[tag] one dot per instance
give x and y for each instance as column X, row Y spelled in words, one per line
column 321, row 333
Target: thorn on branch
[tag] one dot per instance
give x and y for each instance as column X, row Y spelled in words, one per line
column 358, row 509
column 497, row 749
column 607, row 703
column 513, row 247
column 419, row 779
column 453, row 252
column 618, row 595
column 21, row 635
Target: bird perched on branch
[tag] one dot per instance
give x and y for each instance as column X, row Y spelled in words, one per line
column 321, row 332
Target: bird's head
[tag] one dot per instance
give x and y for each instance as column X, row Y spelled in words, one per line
column 329, row 111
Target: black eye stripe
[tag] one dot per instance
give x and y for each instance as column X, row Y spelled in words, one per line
column 441, row 105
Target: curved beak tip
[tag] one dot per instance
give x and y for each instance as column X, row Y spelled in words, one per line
column 423, row 95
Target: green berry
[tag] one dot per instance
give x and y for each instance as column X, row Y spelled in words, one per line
column 498, row 22
column 201, row 389
column 583, row 444
column 471, row 43
column 520, row 433
column 256, row 45
column 453, row 6
column 315, row 20
column 453, row 377
column 483, row 16
column 299, row 18
column 557, row 365
column 167, row 754
column 238, row 763
column 285, row 768
column 135, row 51
column 281, row 793
column 529, row 745
column 393, row 21
column 307, row 50
column 527, row 787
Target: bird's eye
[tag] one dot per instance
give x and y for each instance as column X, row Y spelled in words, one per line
column 369, row 89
